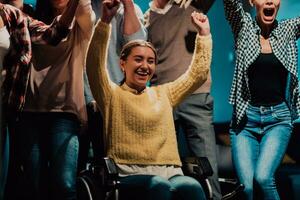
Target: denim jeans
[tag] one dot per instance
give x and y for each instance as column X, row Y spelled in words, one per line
column 259, row 147
column 4, row 150
column 149, row 187
column 44, row 157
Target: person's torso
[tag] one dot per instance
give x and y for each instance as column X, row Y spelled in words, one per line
column 56, row 78
column 282, row 40
column 267, row 81
column 283, row 43
column 173, row 35
column 139, row 128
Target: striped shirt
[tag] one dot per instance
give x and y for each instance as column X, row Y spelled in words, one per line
column 246, row 33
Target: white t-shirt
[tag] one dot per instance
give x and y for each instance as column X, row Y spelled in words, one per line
column 4, row 48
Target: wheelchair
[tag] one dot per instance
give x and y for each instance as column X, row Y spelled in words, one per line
column 100, row 179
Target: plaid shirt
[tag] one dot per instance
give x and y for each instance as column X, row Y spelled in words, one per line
column 23, row 31
column 283, row 40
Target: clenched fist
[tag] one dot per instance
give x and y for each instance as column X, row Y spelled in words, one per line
column 109, row 9
column 201, row 22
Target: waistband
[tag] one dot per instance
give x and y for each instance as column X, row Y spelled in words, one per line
column 263, row 109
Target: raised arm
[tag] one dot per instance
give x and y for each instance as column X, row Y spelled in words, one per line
column 197, row 73
column 53, row 34
column 85, row 17
column 131, row 21
column 100, row 84
column 68, row 14
column 96, row 64
column 133, row 27
column 297, row 28
column 234, row 13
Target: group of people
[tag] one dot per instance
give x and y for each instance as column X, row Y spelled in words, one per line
column 129, row 82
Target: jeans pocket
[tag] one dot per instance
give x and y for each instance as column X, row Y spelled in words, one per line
column 282, row 114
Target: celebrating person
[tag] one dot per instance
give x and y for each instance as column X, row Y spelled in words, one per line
column 45, row 142
column 18, row 33
column 139, row 132
column 264, row 93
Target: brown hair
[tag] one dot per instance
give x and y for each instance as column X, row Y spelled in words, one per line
column 126, row 50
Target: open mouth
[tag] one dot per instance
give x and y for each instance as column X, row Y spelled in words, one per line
column 143, row 73
column 269, row 12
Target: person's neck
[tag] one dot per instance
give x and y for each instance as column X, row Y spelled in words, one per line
column 265, row 29
column 160, row 3
column 135, row 88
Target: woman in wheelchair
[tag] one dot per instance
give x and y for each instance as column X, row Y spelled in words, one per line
column 138, row 122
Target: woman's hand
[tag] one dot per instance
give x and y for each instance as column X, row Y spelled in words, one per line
column 201, row 22
column 109, row 9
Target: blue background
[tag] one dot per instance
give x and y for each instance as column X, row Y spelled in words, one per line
column 223, row 55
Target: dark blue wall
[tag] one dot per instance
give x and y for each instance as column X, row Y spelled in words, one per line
column 223, row 55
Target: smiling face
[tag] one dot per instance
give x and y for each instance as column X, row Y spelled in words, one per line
column 266, row 10
column 138, row 66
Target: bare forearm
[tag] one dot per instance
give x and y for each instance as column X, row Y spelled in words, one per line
column 68, row 15
column 85, row 17
column 131, row 21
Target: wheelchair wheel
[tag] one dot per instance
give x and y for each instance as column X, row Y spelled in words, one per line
column 89, row 186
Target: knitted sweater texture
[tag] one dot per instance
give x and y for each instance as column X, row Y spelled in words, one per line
column 139, row 128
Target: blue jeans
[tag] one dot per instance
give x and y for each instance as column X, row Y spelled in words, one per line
column 4, row 150
column 45, row 148
column 149, row 187
column 259, row 147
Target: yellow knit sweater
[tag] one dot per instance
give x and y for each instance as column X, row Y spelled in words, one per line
column 139, row 128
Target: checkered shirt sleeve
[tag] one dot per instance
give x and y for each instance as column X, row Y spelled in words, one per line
column 246, row 33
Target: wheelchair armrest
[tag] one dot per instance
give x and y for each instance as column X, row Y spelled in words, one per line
column 200, row 169
column 105, row 168
column 99, row 181
column 110, row 166
column 197, row 166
